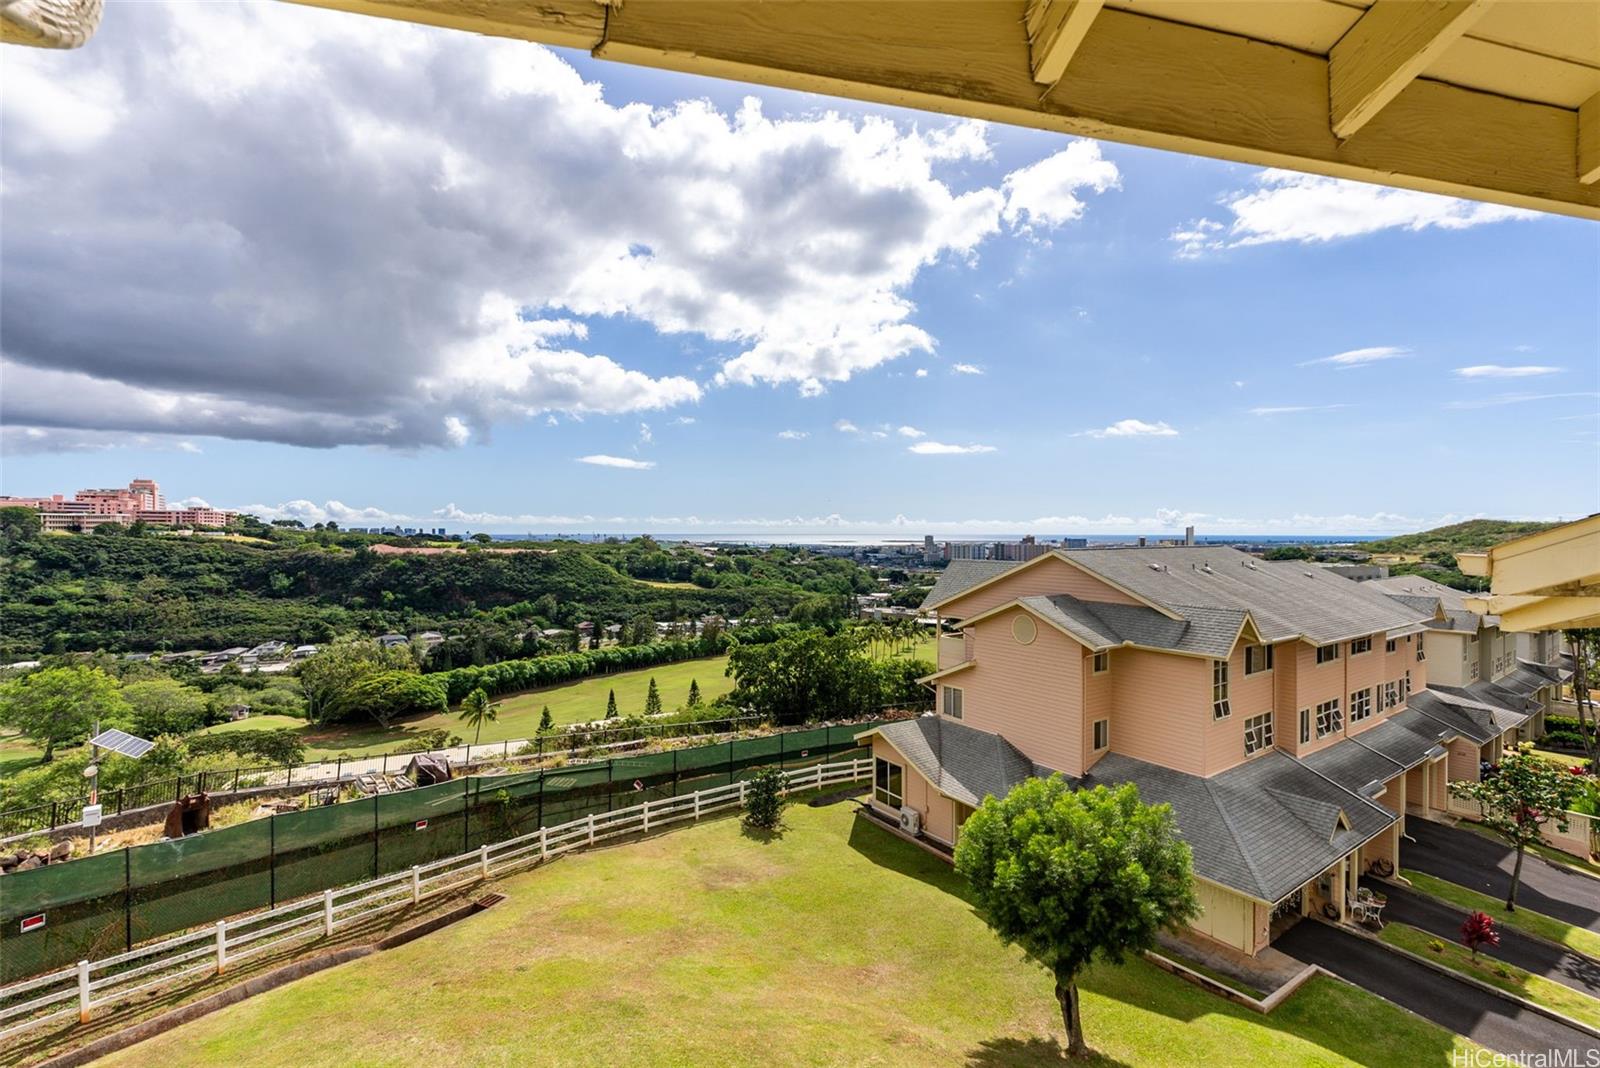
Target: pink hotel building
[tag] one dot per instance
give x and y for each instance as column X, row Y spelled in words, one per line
column 1281, row 710
column 141, row 500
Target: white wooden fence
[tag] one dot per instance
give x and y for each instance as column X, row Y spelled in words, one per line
column 109, row 981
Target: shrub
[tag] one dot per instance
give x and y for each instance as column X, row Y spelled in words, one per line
column 1435, row 945
column 764, row 799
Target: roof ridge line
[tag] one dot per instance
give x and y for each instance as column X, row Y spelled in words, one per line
column 1342, row 789
column 1370, row 749
column 1233, row 833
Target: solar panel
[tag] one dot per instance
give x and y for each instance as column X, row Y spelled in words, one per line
column 122, row 742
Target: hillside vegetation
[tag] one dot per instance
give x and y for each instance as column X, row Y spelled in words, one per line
column 1473, row 536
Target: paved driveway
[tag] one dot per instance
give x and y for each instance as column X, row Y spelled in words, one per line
column 1485, row 864
column 1488, row 1020
column 1531, row 954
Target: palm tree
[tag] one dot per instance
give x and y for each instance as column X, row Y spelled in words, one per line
column 476, row 711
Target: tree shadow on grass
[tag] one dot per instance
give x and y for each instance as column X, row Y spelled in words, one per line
column 1018, row 1052
column 884, row 849
column 764, row 835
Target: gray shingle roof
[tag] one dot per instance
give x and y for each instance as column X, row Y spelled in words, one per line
column 1354, row 766
column 1204, row 631
column 959, row 576
column 1461, row 713
column 1264, row 828
column 1407, row 738
column 1285, row 598
column 960, row 761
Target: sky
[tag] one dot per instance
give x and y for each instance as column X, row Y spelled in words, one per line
column 319, row 266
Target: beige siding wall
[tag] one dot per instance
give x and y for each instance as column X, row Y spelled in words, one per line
column 1285, row 692
column 1099, row 696
column 938, row 811
column 1162, row 708
column 1438, row 794
column 1447, row 657
column 1032, row 695
column 1316, row 683
column 1365, row 672
column 1248, row 697
column 952, row 650
column 1226, row 917
column 1051, row 576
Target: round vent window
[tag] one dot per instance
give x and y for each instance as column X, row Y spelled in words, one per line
column 1024, row 629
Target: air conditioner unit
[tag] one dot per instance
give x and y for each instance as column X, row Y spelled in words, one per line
column 910, row 820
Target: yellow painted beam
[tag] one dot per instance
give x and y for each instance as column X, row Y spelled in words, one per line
column 1532, row 614
column 566, row 23
column 1055, row 30
column 1589, row 141
column 1386, row 50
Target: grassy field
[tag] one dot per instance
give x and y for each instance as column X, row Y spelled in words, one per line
column 832, row 944
column 1507, row 977
column 1534, row 923
column 17, row 754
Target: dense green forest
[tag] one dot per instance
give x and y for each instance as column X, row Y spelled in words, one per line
column 1473, row 536
column 132, row 590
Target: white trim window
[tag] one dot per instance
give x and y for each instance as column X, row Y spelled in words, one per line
column 888, row 783
column 1257, row 733
column 1390, row 644
column 1327, row 653
column 1257, row 658
column 1220, row 708
column 1420, row 655
column 1305, row 726
column 1102, row 734
column 951, row 699
column 1405, row 686
column 1360, row 645
column 1360, row 705
column 1391, row 695
column 1330, row 720
column 1100, row 663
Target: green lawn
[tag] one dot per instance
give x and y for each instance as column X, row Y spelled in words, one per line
column 1534, row 923
column 1571, row 760
column 833, row 944
column 17, row 754
column 1536, row 988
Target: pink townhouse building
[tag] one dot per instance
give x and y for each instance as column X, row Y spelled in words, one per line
column 1281, row 710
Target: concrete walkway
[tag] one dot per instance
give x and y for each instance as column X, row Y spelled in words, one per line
column 1530, row 954
column 1490, row 1021
column 1485, row 864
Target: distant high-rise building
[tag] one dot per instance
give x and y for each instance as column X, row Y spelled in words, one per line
column 1188, row 535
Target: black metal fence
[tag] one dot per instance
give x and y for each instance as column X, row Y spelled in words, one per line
column 107, row 903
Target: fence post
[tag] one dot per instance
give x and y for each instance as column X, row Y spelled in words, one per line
column 235, row 780
column 483, row 861
column 52, row 815
column 646, row 810
column 742, row 783
column 222, row 946
column 697, row 804
column 327, row 913
column 338, row 769
column 591, row 828
column 544, row 846
column 83, row 991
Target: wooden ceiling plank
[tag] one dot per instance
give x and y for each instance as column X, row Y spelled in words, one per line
column 1386, row 50
column 565, row 23
column 1055, row 30
column 1589, row 141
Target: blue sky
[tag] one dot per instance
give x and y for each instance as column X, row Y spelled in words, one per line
column 1055, row 310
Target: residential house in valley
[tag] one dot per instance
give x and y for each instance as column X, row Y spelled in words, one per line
column 1280, row 709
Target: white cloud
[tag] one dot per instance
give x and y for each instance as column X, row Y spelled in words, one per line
column 1293, row 409
column 794, row 435
column 1311, row 209
column 939, row 448
column 1131, row 428
column 1500, row 399
column 645, row 437
column 1494, row 370
column 188, row 446
column 602, row 460
column 1360, row 357
column 845, row 426
column 922, row 372
column 912, row 432
column 966, row 369
column 1046, row 193
column 684, row 420
column 453, row 178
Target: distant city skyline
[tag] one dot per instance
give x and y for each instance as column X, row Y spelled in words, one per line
column 513, row 289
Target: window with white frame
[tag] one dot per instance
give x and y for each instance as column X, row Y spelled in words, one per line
column 1305, row 725
column 1390, row 645
column 1360, row 645
column 952, row 702
column 1405, row 686
column 1101, row 663
column 1325, row 653
column 1391, row 695
column 1102, row 734
column 1420, row 656
column 1330, row 720
column 1360, row 705
column 1220, row 708
column 1257, row 658
column 1258, row 733
column 888, row 783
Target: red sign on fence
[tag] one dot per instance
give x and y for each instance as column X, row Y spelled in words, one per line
column 420, row 825
column 32, row 923
column 637, row 785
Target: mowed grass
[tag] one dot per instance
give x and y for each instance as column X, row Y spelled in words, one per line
column 1507, row 977
column 833, row 944
column 17, row 754
column 1526, row 920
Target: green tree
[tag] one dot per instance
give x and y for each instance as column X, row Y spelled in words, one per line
column 387, row 696
column 652, row 699
column 336, row 668
column 164, row 706
column 55, row 706
column 476, row 711
column 547, row 722
column 481, row 538
column 1071, row 876
column 1517, row 798
column 611, row 704
column 694, row 694
column 764, row 799
column 19, row 524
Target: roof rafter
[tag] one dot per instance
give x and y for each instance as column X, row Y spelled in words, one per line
column 1055, row 30
column 1384, row 52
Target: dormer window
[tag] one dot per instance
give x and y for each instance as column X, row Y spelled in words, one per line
column 1220, row 709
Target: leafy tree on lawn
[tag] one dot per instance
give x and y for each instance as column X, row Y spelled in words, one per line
column 652, row 699
column 388, row 695
column 694, row 694
column 55, row 706
column 547, row 722
column 476, row 711
column 164, row 706
column 1477, row 931
column 19, row 524
column 1071, row 876
column 1517, row 798
column 611, row 704
column 336, row 668
column 764, row 799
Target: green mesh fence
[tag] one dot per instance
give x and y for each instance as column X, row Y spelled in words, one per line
column 101, row 905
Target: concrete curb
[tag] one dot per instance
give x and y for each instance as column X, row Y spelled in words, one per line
column 1523, row 931
column 1262, row 1005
